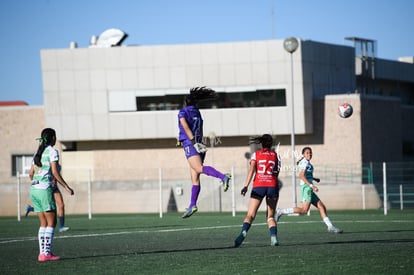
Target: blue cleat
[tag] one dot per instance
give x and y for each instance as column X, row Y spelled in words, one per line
column 226, row 182
column 189, row 211
column 29, row 209
column 239, row 240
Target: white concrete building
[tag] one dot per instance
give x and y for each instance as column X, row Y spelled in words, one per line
column 94, row 93
column 115, row 113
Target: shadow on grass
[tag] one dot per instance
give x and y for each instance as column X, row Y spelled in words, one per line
column 251, row 246
column 354, row 242
column 151, row 252
column 381, row 231
column 137, row 228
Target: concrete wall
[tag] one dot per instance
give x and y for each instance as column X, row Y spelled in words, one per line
column 341, row 136
column 130, row 171
column 19, row 127
column 382, row 129
column 408, row 132
column 81, row 85
column 144, row 196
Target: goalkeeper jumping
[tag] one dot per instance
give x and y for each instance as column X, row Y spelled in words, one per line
column 190, row 124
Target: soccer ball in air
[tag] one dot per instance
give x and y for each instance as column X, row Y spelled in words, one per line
column 345, row 110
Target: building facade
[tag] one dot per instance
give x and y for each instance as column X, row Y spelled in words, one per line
column 115, row 113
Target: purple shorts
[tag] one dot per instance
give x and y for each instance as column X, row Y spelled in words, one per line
column 190, row 151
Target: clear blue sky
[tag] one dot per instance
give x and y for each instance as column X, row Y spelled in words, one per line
column 27, row 26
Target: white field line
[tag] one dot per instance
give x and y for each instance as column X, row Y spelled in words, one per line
column 22, row 239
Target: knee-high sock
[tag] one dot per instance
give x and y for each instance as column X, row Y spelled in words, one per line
column 273, row 231
column 210, row 171
column 41, row 237
column 328, row 222
column 246, row 226
column 62, row 221
column 195, row 190
column 50, row 231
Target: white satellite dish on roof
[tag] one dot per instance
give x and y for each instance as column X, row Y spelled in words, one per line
column 111, row 38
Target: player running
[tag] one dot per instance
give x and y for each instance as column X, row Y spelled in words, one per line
column 308, row 190
column 265, row 167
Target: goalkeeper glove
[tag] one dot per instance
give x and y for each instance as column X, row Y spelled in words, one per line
column 244, row 191
column 200, row 148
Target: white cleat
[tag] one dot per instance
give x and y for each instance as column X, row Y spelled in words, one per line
column 278, row 214
column 63, row 229
column 274, row 241
column 335, row 230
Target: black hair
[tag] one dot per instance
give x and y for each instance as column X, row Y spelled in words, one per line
column 198, row 94
column 303, row 152
column 47, row 137
column 266, row 140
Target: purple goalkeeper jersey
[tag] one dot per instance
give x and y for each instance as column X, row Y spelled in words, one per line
column 193, row 117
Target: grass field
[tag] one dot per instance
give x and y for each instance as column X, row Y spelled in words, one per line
column 203, row 244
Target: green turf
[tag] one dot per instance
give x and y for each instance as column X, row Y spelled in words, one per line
column 146, row 244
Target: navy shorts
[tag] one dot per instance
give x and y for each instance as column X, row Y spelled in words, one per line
column 261, row 192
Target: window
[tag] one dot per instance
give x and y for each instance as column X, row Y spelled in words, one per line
column 21, row 164
column 249, row 99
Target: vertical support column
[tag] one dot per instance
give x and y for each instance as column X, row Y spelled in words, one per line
column 160, row 182
column 363, row 197
column 233, row 193
column 384, row 181
column 18, row 196
column 89, row 195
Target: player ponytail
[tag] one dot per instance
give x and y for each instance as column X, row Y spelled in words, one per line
column 266, row 141
column 47, row 138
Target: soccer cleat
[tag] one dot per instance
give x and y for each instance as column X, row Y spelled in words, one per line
column 29, row 209
column 41, row 257
column 47, row 257
column 278, row 214
column 274, row 241
column 334, row 229
column 63, row 229
column 226, row 182
column 189, row 211
column 239, row 240
column 51, row 257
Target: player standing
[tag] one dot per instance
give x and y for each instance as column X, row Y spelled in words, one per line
column 42, row 171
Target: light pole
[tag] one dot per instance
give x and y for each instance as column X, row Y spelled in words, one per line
column 291, row 44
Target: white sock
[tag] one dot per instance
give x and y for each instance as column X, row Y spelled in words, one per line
column 287, row 211
column 49, row 239
column 328, row 222
column 41, row 237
